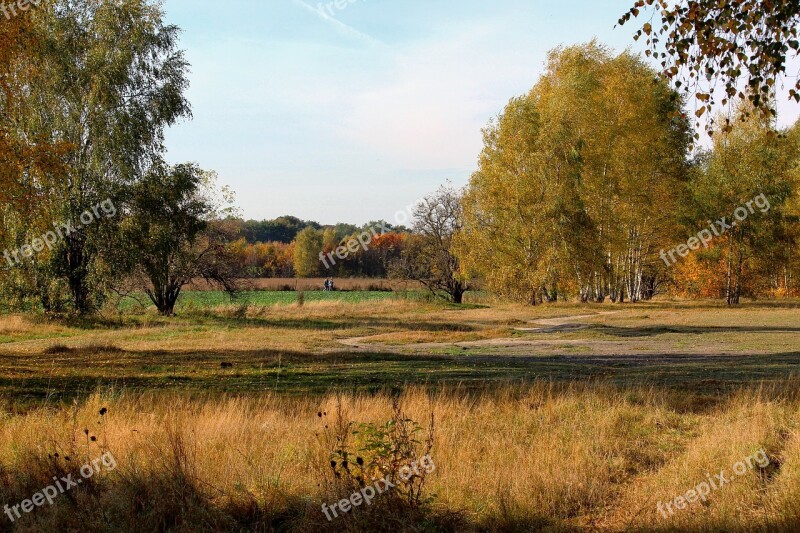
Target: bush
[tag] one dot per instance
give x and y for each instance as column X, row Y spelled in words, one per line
column 388, row 457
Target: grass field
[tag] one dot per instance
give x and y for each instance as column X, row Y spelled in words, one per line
column 199, row 300
column 562, row 417
column 316, row 284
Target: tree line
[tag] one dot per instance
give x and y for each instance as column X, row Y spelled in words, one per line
column 588, row 181
column 584, row 181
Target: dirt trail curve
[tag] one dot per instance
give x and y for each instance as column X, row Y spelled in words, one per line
column 546, row 325
column 555, row 325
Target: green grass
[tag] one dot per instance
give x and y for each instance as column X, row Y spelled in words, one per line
column 296, row 350
column 190, row 300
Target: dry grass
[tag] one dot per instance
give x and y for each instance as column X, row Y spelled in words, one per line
column 545, row 453
column 577, row 457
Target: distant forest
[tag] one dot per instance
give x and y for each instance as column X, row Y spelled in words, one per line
column 285, row 229
column 288, row 246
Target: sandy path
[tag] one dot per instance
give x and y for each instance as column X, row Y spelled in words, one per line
column 555, row 325
column 546, row 325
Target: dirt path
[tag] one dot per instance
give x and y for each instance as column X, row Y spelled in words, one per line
column 556, row 325
column 547, row 325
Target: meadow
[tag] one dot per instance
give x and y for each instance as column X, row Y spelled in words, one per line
column 199, row 300
column 249, row 416
column 621, row 174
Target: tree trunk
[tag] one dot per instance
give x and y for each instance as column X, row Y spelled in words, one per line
column 458, row 296
column 739, row 270
column 729, row 285
column 77, row 274
column 164, row 296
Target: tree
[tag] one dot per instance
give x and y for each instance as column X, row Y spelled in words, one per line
column 268, row 259
column 383, row 250
column 110, row 80
column 282, row 229
column 780, row 265
column 172, row 235
column 703, row 45
column 577, row 182
column 428, row 256
column 747, row 163
column 18, row 58
column 308, row 246
column 32, row 164
column 512, row 234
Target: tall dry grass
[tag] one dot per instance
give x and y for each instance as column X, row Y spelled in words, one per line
column 580, row 457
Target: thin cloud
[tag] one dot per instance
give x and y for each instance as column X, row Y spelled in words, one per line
column 340, row 26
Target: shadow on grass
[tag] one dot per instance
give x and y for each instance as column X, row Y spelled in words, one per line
column 654, row 330
column 162, row 491
column 214, row 320
column 63, row 375
column 135, row 500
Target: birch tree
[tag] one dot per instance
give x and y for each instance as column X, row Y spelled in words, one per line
column 578, row 181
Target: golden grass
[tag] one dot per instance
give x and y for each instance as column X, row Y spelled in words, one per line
column 510, row 458
column 575, row 457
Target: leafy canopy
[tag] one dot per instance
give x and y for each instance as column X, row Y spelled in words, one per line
column 713, row 46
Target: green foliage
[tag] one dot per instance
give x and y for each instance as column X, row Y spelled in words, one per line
column 392, row 451
column 170, row 234
column 308, row 247
column 109, row 80
column 577, row 183
column 748, row 161
column 282, row 229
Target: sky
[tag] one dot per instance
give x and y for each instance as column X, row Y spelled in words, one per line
column 350, row 111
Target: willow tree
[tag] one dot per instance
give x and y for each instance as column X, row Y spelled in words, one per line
column 576, row 181
column 174, row 234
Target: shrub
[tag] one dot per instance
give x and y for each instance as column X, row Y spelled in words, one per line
column 368, row 453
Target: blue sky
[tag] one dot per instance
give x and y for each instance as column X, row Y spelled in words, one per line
column 351, row 114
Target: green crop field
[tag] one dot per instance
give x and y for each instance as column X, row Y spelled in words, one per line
column 191, row 300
